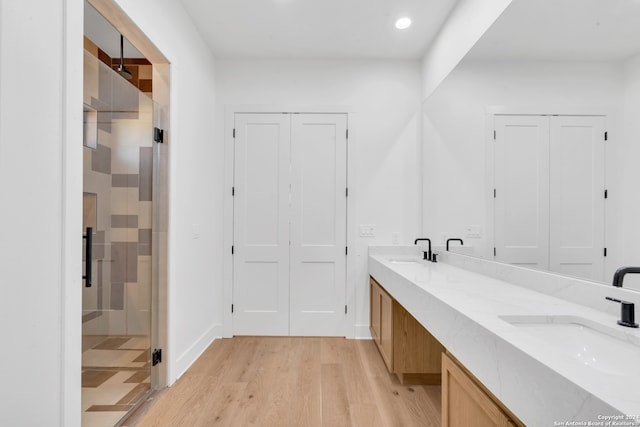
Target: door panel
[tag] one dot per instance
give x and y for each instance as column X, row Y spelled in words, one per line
column 318, row 224
column 261, row 225
column 577, row 201
column 120, row 205
column 522, row 190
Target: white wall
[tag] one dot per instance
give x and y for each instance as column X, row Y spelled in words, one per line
column 40, row 218
column 454, row 127
column 195, row 182
column 385, row 98
column 463, row 28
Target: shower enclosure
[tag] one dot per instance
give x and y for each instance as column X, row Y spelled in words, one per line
column 118, row 225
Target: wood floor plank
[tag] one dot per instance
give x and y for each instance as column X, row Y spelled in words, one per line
column 331, row 350
column 358, row 387
column 306, row 404
column 364, row 415
column 269, row 389
column 221, row 410
column 395, row 408
column 335, row 405
column 287, row 381
column 245, row 351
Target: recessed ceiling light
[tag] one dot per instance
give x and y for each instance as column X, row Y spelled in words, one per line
column 403, row 23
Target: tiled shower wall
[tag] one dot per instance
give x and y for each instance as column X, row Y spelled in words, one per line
column 120, row 172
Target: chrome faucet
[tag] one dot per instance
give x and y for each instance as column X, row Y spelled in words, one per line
column 618, row 276
column 427, row 254
column 454, row 240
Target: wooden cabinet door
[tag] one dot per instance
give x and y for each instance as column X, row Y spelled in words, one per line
column 464, row 403
column 381, row 321
column 374, row 311
column 386, row 328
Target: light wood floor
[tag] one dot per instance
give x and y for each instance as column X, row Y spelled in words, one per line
column 272, row 381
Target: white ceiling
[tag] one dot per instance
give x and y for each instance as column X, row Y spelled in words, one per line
column 101, row 32
column 317, row 29
column 364, row 29
column 563, row 30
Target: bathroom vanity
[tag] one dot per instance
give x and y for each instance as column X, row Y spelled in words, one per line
column 516, row 346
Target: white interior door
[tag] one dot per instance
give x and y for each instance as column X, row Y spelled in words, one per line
column 522, row 190
column 290, row 213
column 261, row 225
column 318, row 224
column 577, row 196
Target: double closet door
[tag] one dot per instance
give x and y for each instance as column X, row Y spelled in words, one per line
column 549, row 193
column 290, row 210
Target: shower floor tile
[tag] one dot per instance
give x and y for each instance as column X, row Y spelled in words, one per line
column 102, row 419
column 113, row 358
column 95, row 378
column 137, row 343
column 115, row 376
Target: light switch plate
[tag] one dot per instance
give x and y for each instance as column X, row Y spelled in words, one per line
column 367, row 230
column 395, row 238
column 473, row 231
column 196, row 230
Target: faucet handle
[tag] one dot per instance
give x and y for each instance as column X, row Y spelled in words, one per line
column 627, row 313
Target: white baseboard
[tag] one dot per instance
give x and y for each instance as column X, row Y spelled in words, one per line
column 362, row 332
column 186, row 359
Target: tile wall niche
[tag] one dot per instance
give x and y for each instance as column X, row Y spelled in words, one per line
column 120, row 172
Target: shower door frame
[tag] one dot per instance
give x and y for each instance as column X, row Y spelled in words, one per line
column 161, row 99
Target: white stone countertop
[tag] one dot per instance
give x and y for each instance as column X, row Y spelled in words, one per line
column 539, row 383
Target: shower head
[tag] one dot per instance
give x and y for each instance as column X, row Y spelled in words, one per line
column 122, row 70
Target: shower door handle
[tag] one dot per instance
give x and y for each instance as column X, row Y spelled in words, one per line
column 87, row 257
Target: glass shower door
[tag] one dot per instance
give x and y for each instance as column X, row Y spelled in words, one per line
column 118, row 210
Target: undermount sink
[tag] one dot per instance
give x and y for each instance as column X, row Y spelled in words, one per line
column 600, row 347
column 403, row 261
